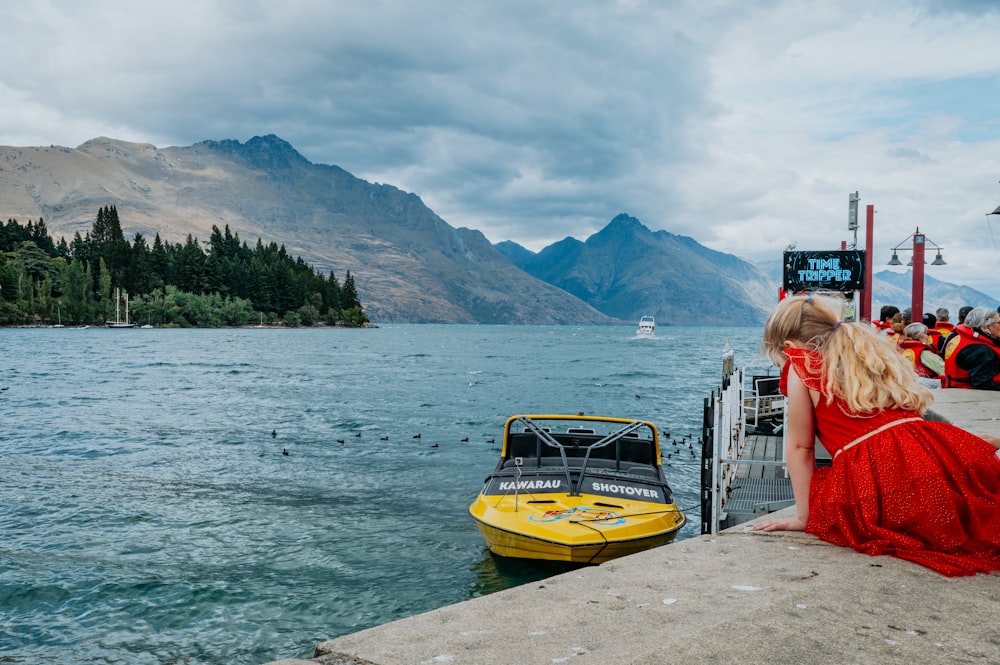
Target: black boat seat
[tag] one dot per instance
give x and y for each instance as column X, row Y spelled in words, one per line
column 554, row 463
column 629, row 449
column 574, row 462
column 639, row 451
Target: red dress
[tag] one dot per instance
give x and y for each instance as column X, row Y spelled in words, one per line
column 924, row 491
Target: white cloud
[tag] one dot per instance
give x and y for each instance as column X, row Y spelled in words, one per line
column 743, row 125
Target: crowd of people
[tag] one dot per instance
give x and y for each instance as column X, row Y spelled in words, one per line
column 965, row 354
column 900, row 484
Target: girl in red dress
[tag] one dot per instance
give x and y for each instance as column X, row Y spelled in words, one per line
column 924, row 491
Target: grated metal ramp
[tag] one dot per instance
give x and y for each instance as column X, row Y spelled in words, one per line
column 761, row 487
column 758, row 496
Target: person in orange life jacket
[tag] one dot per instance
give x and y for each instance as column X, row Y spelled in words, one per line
column 944, row 326
column 963, row 311
column 885, row 315
column 972, row 353
column 899, row 322
column 917, row 348
column 934, row 336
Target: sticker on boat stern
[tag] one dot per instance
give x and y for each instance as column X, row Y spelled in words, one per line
column 609, row 517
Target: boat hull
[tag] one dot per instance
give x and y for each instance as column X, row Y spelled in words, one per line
column 583, row 529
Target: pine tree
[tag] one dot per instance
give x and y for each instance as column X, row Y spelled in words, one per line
column 159, row 261
column 139, row 278
column 348, row 294
column 191, row 267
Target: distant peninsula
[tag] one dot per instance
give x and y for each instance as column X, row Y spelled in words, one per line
column 83, row 282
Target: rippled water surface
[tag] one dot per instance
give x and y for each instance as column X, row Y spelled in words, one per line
column 148, row 515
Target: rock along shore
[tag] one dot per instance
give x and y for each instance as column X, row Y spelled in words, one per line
column 739, row 597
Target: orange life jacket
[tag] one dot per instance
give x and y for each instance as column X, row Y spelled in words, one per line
column 944, row 329
column 935, row 336
column 912, row 349
column 964, row 336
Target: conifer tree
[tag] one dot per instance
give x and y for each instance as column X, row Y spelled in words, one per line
column 62, row 249
column 348, row 294
column 139, row 277
column 159, row 261
column 191, row 268
column 78, row 249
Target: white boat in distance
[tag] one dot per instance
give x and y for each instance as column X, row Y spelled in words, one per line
column 647, row 328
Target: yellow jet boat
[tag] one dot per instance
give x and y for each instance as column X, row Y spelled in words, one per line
column 579, row 489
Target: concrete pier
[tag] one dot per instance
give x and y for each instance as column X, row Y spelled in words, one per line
column 739, row 597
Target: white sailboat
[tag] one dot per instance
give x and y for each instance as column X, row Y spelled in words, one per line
column 118, row 322
column 59, row 318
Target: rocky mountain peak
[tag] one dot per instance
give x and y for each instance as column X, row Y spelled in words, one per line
column 268, row 153
column 624, row 223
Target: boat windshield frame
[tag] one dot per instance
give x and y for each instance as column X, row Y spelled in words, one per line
column 546, row 438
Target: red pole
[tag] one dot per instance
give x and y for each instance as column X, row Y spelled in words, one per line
column 917, row 307
column 866, row 294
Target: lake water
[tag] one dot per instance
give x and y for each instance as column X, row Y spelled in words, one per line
column 148, row 515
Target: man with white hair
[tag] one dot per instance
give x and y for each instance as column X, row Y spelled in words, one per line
column 972, row 353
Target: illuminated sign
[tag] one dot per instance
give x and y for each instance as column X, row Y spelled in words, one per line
column 830, row 270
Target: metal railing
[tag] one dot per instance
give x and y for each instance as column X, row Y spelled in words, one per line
column 724, row 439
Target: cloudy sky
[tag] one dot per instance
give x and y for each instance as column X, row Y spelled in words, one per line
column 745, row 125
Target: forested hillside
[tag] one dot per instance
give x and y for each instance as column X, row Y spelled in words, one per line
column 175, row 284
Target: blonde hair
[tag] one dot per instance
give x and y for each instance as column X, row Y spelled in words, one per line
column 855, row 363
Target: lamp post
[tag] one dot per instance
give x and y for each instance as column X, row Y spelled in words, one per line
column 866, row 295
column 919, row 243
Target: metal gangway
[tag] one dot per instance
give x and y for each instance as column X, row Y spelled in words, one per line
column 742, row 475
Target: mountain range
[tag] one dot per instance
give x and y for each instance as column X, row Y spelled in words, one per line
column 409, row 265
column 627, row 271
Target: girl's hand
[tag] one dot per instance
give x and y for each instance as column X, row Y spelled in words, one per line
column 787, row 524
column 991, row 439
